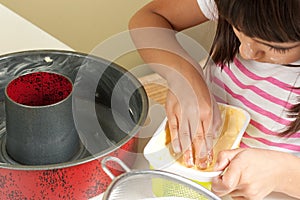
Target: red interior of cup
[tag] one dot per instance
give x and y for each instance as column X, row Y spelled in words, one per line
column 39, row 89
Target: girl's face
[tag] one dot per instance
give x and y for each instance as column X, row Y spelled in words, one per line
column 268, row 52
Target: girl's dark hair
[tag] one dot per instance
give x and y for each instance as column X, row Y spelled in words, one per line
column 269, row 20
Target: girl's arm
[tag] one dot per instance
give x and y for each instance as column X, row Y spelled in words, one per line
column 153, row 30
column 254, row 173
column 189, row 105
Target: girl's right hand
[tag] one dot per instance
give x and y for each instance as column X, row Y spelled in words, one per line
column 193, row 120
column 189, row 107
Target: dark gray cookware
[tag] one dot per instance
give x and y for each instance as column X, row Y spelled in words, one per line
column 109, row 106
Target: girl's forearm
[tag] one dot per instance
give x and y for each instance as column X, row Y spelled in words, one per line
column 154, row 34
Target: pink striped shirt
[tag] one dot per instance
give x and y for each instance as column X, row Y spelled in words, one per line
column 267, row 92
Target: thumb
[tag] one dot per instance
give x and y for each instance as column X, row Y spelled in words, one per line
column 225, row 157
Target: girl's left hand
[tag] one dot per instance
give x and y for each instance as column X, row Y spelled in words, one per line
column 250, row 173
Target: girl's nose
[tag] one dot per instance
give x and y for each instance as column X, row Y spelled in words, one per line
column 249, row 51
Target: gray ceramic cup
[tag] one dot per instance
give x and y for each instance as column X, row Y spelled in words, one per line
column 39, row 121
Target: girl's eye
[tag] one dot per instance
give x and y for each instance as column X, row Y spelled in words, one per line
column 279, row 50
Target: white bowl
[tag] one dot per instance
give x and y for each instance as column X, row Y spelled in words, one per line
column 158, row 153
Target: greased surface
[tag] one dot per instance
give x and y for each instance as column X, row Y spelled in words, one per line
column 234, row 120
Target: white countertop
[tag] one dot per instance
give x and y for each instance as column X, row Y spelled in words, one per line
column 18, row 34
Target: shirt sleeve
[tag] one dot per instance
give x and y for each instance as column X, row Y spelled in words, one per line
column 209, row 9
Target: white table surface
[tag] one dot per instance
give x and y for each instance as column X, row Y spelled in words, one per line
column 18, row 34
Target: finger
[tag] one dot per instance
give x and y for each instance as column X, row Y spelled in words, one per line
column 198, row 142
column 225, row 157
column 209, row 147
column 205, row 154
column 186, row 143
column 209, row 134
column 200, row 148
column 237, row 194
column 188, row 157
column 194, row 124
column 218, row 188
column 173, row 111
column 228, row 181
column 173, row 127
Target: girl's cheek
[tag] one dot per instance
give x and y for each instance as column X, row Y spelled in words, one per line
column 274, row 59
column 287, row 59
column 245, row 51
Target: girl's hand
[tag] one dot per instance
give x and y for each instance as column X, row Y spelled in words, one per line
column 193, row 119
column 189, row 109
column 249, row 173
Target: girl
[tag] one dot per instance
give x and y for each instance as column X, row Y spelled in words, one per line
column 257, row 54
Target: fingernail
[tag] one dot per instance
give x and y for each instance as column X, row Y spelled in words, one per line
column 190, row 162
column 176, row 146
column 202, row 163
column 176, row 149
column 188, row 159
